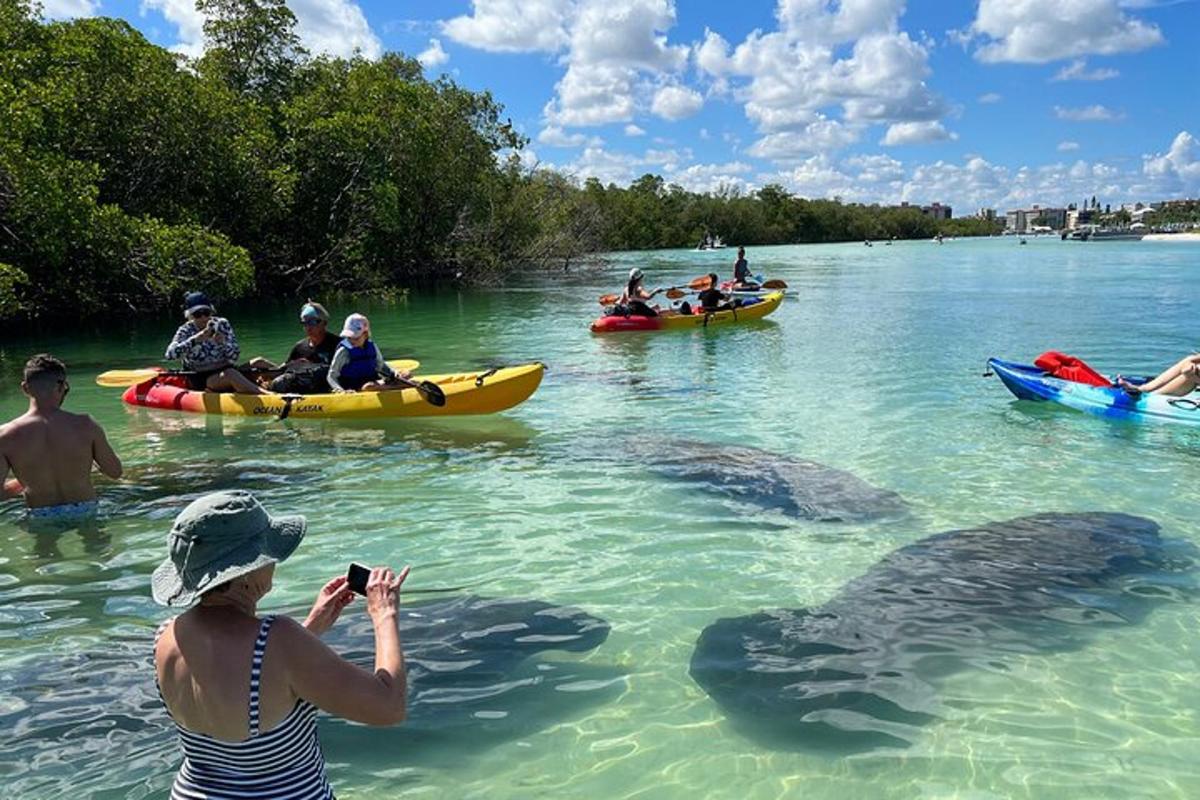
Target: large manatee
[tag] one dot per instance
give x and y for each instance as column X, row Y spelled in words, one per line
column 795, row 486
column 474, row 679
column 860, row 671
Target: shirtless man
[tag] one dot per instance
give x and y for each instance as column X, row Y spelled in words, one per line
column 51, row 451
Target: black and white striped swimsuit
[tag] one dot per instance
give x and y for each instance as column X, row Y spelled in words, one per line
column 285, row 762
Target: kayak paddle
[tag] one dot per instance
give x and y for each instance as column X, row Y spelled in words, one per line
column 774, row 284
column 429, row 390
column 696, row 284
column 121, row 378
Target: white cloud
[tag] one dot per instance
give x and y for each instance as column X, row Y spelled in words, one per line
column 676, row 102
column 1077, row 71
column 634, row 130
column 1096, row 113
column 557, row 137
column 334, row 27
column 614, row 45
column 821, row 135
column 712, row 177
column 798, row 76
column 433, row 56
column 513, row 25
column 900, row 133
column 1034, row 32
column 1067, row 147
column 990, row 97
column 67, row 9
column 1180, row 163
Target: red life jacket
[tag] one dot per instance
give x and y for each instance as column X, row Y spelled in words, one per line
column 1070, row 368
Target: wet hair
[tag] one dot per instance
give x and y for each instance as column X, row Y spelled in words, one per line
column 43, row 370
column 741, row 251
column 712, row 277
column 632, row 283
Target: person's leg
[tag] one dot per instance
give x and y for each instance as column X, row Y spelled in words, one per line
column 1170, row 374
column 230, row 380
column 1183, row 383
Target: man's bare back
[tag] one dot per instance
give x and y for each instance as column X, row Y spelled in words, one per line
column 51, row 451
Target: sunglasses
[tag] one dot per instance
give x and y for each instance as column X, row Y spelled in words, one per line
column 311, row 323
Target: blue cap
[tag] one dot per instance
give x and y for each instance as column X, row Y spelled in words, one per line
column 194, row 302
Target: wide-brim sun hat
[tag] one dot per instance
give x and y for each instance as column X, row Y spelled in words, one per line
column 220, row 537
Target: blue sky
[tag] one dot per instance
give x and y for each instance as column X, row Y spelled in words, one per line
column 997, row 103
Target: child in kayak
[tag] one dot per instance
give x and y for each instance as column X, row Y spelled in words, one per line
column 358, row 366
column 713, row 299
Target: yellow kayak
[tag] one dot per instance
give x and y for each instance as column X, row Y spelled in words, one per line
column 482, row 392
column 672, row 320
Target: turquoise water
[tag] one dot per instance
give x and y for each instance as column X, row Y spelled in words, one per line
column 871, row 366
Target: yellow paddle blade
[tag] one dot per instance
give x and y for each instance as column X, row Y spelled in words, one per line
column 701, row 283
column 774, row 284
column 120, row 378
column 675, row 294
column 404, row 364
column 609, row 299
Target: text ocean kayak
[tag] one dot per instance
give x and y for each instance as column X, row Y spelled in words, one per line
column 482, row 392
column 754, row 308
column 1028, row 382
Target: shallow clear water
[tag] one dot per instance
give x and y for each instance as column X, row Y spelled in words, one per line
column 872, row 366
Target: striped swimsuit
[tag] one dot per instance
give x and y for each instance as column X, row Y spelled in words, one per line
column 284, row 762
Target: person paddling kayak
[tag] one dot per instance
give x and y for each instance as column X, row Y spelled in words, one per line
column 712, row 298
column 635, row 296
column 306, row 366
column 358, row 365
column 209, row 349
column 742, row 279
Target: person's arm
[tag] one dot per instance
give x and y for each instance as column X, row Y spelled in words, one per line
column 319, row 675
column 382, row 367
column 179, row 345
column 335, row 369
column 230, row 346
column 8, row 488
column 103, row 454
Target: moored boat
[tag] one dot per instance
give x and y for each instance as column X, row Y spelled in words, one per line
column 751, row 309
column 480, row 392
column 1029, row 382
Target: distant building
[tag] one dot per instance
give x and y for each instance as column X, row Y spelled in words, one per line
column 986, row 213
column 1024, row 220
column 1077, row 218
column 936, row 210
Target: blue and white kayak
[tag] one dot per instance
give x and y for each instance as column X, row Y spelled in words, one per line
column 1028, row 382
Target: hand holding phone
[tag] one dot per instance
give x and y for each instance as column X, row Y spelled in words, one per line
column 356, row 578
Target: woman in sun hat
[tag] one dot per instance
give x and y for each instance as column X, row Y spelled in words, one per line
column 635, row 296
column 244, row 690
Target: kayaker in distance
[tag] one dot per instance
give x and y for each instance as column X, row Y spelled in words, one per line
column 305, row 369
column 358, row 365
column 635, row 296
column 209, row 349
column 741, row 272
column 261, row 742
column 51, row 451
column 1183, row 378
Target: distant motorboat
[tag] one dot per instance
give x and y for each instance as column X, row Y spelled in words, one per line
column 1106, row 234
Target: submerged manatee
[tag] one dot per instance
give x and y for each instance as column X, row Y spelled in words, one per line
column 859, row 672
column 797, row 487
column 472, row 670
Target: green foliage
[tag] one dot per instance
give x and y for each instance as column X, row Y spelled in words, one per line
column 252, row 45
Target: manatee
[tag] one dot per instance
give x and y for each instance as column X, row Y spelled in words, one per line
column 797, row 487
column 474, row 675
column 861, row 671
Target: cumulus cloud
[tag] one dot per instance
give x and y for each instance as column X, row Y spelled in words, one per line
column 990, row 97
column 1096, row 113
column 557, row 137
column 1067, row 147
column 67, row 9
column 900, row 133
column 634, row 130
column 824, row 58
column 1034, row 32
column 1077, row 71
column 1181, row 163
column 513, row 25
column 334, row 27
column 676, row 102
column 433, row 56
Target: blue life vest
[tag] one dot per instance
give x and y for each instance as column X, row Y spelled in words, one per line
column 361, row 366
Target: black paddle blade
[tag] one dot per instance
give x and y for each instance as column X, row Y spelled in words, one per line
column 433, row 393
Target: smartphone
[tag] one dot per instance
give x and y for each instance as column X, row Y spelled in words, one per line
column 212, row 325
column 356, row 578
